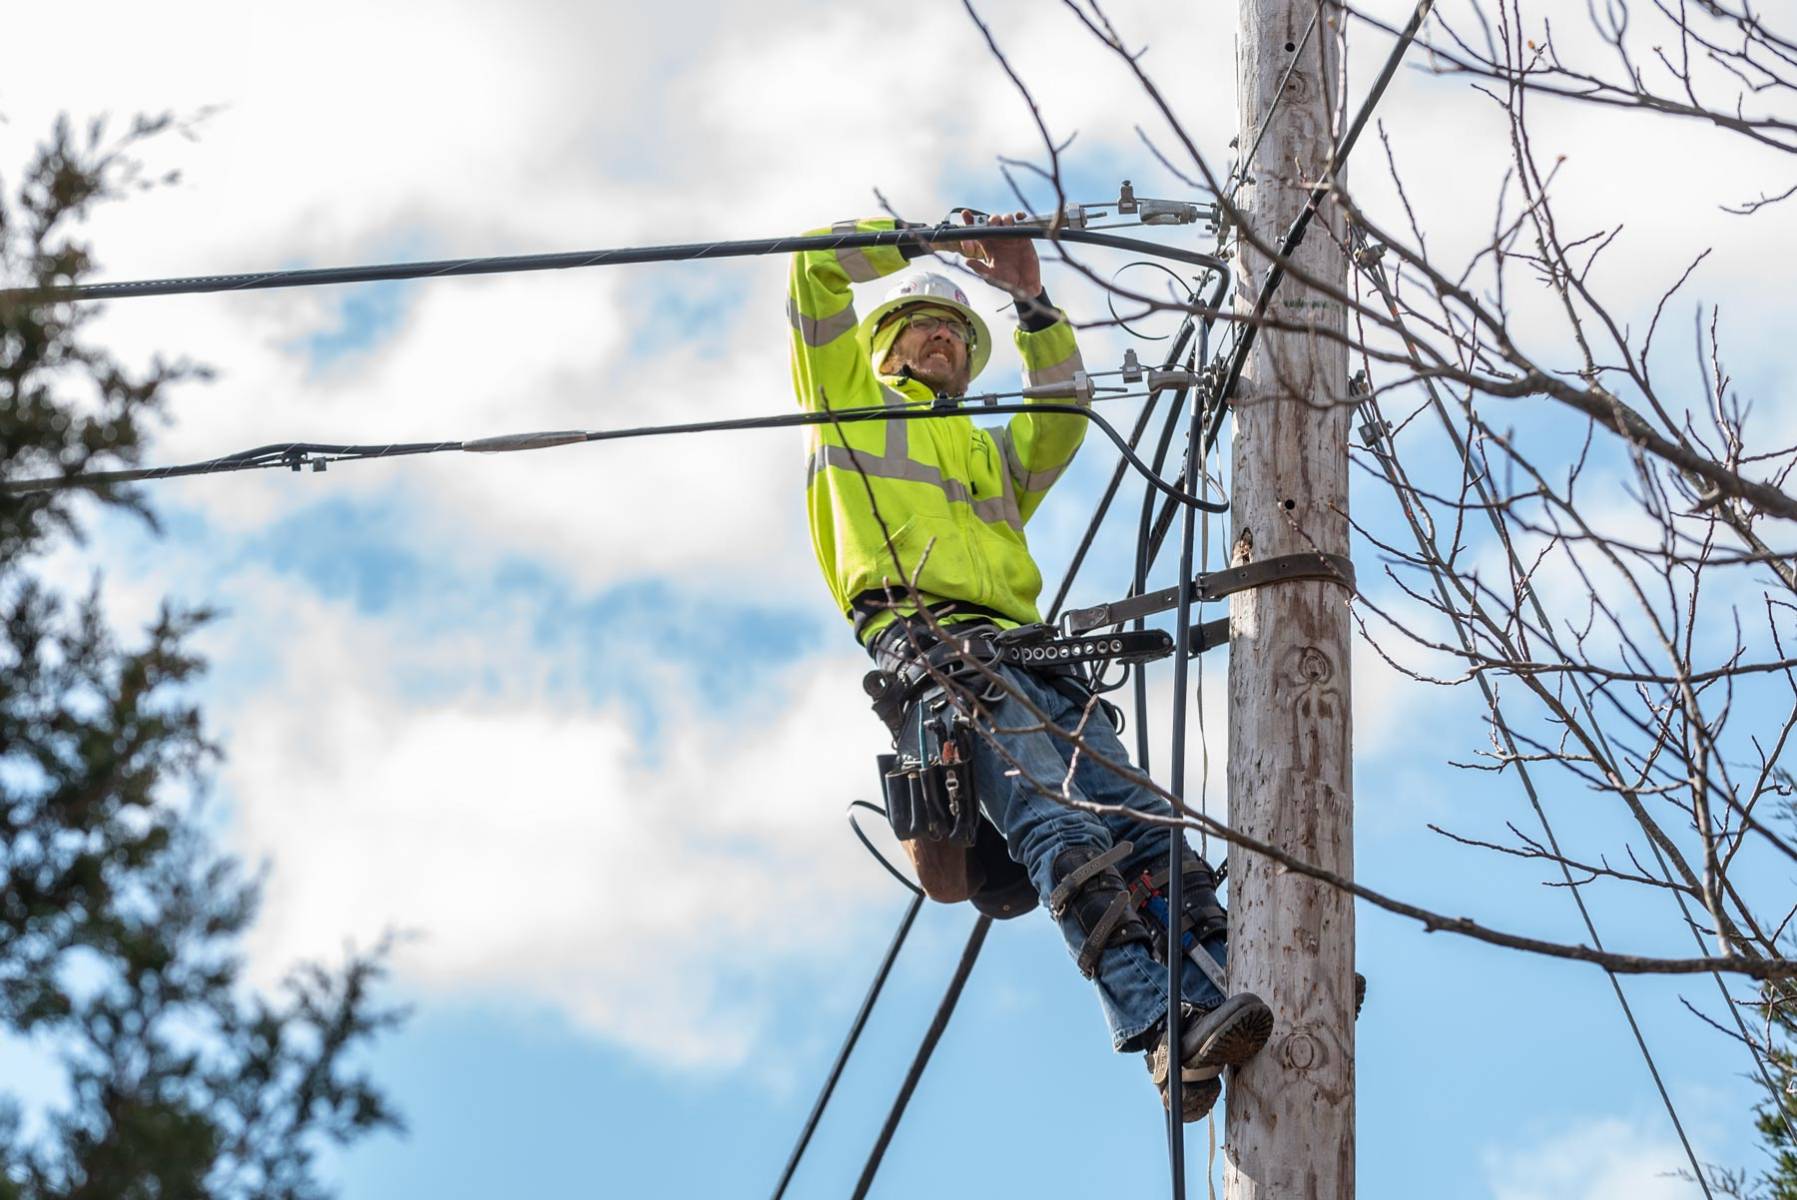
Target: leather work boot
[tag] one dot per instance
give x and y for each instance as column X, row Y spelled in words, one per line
column 1226, row 1036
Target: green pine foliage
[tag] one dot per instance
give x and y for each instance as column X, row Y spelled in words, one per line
column 1776, row 1117
column 120, row 924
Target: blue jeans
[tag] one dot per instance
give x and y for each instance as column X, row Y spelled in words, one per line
column 1037, row 826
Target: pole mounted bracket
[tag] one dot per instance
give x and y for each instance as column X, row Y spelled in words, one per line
column 1215, row 585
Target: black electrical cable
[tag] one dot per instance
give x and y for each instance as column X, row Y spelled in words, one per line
column 1224, row 392
column 1144, row 561
column 1182, row 627
column 1146, row 551
column 511, row 263
column 867, row 1005
column 1295, row 234
column 944, row 1010
column 861, row 836
column 1180, row 341
column 296, row 455
column 1239, row 175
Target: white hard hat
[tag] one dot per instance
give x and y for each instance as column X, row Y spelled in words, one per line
column 936, row 291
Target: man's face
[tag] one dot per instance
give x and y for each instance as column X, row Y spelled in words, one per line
column 933, row 344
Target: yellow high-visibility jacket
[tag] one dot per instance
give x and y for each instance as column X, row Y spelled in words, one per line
column 941, row 484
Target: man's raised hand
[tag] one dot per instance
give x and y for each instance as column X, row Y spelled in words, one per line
column 1008, row 263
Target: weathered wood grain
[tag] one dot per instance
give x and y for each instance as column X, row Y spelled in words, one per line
column 1290, row 1130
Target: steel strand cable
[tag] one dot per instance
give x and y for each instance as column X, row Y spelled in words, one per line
column 1224, row 390
column 1398, row 479
column 1294, row 236
column 918, row 235
column 1239, row 176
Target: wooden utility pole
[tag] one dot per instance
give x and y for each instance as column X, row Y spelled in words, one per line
column 1291, row 1109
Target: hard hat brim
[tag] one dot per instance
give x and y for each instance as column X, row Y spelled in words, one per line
column 978, row 353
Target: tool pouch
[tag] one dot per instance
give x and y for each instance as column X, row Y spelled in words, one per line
column 930, row 799
column 930, row 795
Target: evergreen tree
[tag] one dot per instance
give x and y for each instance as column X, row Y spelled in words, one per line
column 120, row 923
column 1776, row 1117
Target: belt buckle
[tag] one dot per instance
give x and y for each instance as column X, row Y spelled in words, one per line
column 1024, row 635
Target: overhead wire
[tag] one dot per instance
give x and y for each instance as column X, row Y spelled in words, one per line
column 1205, row 425
column 1246, row 329
column 1239, row 175
column 881, row 972
column 945, row 1009
column 1294, row 235
column 297, row 455
column 914, row 235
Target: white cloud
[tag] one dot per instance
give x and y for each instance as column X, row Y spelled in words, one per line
column 549, row 852
column 1605, row 1158
column 545, row 851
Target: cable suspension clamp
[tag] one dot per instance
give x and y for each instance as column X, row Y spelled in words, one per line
column 1215, row 585
column 1143, row 210
column 1080, row 388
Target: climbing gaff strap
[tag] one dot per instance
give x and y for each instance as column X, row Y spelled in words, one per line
column 1088, row 884
column 1215, row 585
column 1202, row 916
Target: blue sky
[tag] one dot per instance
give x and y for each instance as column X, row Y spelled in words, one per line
column 584, row 720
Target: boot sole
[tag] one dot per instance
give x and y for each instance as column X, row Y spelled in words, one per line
column 1195, row 1099
column 1230, row 1034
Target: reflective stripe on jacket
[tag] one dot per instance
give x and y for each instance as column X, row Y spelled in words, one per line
column 941, row 485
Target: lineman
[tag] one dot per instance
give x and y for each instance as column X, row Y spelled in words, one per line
column 941, row 504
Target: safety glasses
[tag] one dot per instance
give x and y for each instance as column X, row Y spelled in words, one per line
column 929, row 323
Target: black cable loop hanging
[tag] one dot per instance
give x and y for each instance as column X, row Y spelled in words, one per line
column 1110, row 300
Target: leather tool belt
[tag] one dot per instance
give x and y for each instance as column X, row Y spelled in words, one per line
column 934, row 684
